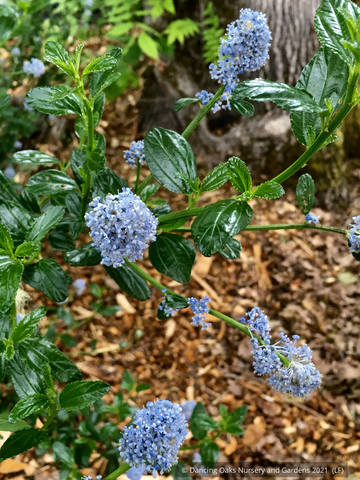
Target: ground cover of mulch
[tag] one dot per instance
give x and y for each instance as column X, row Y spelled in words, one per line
column 306, row 282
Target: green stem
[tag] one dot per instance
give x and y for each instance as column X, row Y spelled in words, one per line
column 50, row 418
column 145, row 183
column 324, row 136
column 191, row 127
column 82, row 139
column 215, row 313
column 13, row 315
column 189, row 212
column 89, row 110
column 113, row 476
column 85, row 199
column 137, row 176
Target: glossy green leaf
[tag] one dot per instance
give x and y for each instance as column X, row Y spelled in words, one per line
column 28, row 405
column 174, row 300
column 39, row 99
column 47, row 276
column 4, row 101
column 215, row 179
column 149, row 191
column 184, row 102
column 325, row 77
column 173, row 256
column 100, row 80
column 285, row 96
column 305, row 193
column 61, row 241
column 6, row 426
column 86, row 255
column 77, row 158
column 78, row 395
column 201, row 422
column 130, row 282
column 128, row 381
column 100, row 64
column 51, row 182
column 33, row 157
column 242, row 107
column 231, row 250
column 17, row 220
column 25, row 380
column 27, row 249
column 99, row 105
column 269, row 190
column 63, row 454
column 234, row 429
column 6, row 243
column 10, row 276
column 94, row 162
column 7, row 191
column 148, row 45
column 238, row 415
column 218, row 223
column 166, row 153
column 21, row 441
column 142, row 387
column 5, row 327
column 73, row 204
column 55, row 53
column 45, row 223
column 112, row 77
column 210, row 454
column 239, row 174
column 24, row 329
column 7, row 21
column 29, row 201
column 107, row 181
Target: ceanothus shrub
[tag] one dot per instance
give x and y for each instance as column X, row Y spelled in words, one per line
column 126, row 220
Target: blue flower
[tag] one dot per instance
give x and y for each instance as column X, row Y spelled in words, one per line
column 34, row 67
column 135, row 153
column 9, row 172
column 19, row 317
column 18, row 144
column 197, row 458
column 27, row 107
column 152, row 442
column 80, row 286
column 310, row 218
column 246, row 49
column 200, row 309
column 121, row 227
column 15, row 52
column 354, row 235
column 187, row 408
column 169, row 312
column 135, row 473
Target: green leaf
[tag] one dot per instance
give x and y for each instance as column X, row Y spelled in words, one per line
column 107, row 82
column 238, row 415
column 17, row 220
column 218, row 223
column 47, row 276
column 174, row 300
column 285, row 96
column 107, row 181
column 77, row 158
column 234, row 429
column 45, row 223
column 78, row 395
column 210, row 454
column 128, row 381
column 7, row 191
column 21, row 441
column 201, row 422
column 180, row 472
column 94, row 162
column 51, row 182
column 73, row 204
column 61, row 241
column 215, row 179
column 231, row 250
column 39, row 99
column 101, row 64
column 63, row 454
column 99, row 105
column 6, row 243
column 243, row 107
column 84, row 256
column 24, row 329
column 28, row 405
column 10, row 276
column 325, row 77
column 5, row 100
column 184, row 102
column 269, row 190
column 149, row 191
column 100, row 80
column 68, row 340
column 239, row 174
column 56, row 54
column 331, row 27
column 33, row 157
column 27, row 249
column 173, row 256
column 120, row 29
column 305, row 193
column 142, row 387
column 179, row 30
column 157, row 201
column 7, row 21
column 148, row 45
column 6, row 426
column 166, row 153
column 130, row 282
column 29, row 201
column 25, row 380
column 37, row 5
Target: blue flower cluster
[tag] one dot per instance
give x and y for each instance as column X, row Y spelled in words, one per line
column 204, row 98
column 199, row 309
column 80, row 286
column 245, row 49
column 15, row 52
column 135, row 153
column 121, row 227
column 300, row 377
column 9, row 172
column 170, row 312
column 310, row 218
column 34, row 67
column 354, row 235
column 152, row 442
column 135, row 473
column 187, row 408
